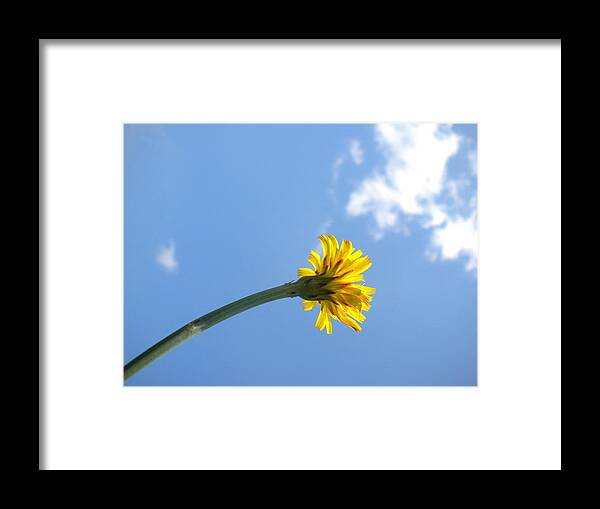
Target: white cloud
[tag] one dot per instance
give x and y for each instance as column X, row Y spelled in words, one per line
column 416, row 158
column 410, row 189
column 166, row 257
column 457, row 237
column 356, row 152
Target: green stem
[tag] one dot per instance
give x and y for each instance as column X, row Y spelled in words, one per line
column 206, row 321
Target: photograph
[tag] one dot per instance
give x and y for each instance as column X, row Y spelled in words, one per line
column 315, row 254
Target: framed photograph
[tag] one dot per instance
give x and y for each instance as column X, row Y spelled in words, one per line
column 331, row 255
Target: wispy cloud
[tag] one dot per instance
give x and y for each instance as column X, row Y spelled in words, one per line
column 339, row 160
column 414, row 189
column 356, row 152
column 337, row 164
column 166, row 257
column 472, row 157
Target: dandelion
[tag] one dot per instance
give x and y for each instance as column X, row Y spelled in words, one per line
column 335, row 283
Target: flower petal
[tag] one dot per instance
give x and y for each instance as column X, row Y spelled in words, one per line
column 320, row 323
column 315, row 260
column 309, row 304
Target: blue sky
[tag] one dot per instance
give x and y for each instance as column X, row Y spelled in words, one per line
column 217, row 212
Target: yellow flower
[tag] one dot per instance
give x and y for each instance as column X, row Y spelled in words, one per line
column 334, row 282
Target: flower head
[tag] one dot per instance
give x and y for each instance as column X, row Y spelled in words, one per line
column 335, row 282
